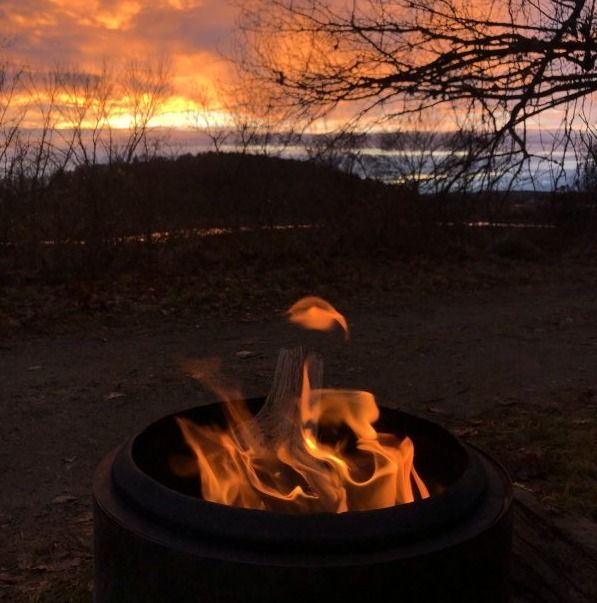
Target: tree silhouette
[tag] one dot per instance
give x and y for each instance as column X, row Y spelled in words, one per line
column 499, row 65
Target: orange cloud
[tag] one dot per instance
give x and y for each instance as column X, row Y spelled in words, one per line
column 116, row 15
column 81, row 34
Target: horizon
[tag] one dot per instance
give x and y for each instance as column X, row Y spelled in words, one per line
column 114, row 80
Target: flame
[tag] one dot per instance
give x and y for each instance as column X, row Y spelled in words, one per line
column 315, row 313
column 335, row 462
column 331, row 460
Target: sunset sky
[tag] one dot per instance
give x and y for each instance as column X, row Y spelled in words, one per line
column 80, row 34
column 190, row 35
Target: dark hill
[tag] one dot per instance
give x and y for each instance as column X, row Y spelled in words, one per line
column 190, row 192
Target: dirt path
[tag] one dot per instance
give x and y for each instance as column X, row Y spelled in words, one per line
column 67, row 400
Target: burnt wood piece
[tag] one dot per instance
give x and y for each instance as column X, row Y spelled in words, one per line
column 280, row 415
column 551, row 563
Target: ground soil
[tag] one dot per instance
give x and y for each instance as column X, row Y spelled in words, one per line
column 472, row 360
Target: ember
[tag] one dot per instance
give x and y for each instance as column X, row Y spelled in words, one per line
column 316, row 451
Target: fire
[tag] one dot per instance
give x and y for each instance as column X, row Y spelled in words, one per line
column 315, row 313
column 322, row 454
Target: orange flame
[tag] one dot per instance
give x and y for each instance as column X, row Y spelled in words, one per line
column 333, row 460
column 316, row 313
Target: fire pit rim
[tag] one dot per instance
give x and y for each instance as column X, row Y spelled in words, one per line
column 323, row 530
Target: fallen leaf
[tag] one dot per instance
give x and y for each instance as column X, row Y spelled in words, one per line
column 523, row 487
column 582, row 421
column 59, row 566
column 35, row 367
column 506, row 402
column 438, row 410
column 63, row 498
column 464, row 431
column 244, row 354
column 113, row 396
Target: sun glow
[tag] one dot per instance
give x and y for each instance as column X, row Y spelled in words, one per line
column 84, row 38
column 61, row 100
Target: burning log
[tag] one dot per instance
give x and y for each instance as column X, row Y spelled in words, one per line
column 311, row 494
column 156, row 540
column 281, row 413
column 309, row 450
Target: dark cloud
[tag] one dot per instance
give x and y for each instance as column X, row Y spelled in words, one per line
column 197, row 29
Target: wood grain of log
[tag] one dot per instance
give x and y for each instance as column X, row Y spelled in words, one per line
column 280, row 415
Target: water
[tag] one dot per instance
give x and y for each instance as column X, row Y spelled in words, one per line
column 545, row 170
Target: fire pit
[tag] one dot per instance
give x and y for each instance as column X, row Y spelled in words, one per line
column 172, row 525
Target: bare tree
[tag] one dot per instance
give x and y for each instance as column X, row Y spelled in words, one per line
column 11, row 115
column 86, row 109
column 341, row 149
column 258, row 122
column 206, row 118
column 142, row 87
column 11, row 118
column 418, row 154
column 42, row 90
column 502, row 63
column 586, row 151
column 106, row 115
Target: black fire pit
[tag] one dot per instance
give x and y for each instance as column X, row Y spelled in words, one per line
column 156, row 540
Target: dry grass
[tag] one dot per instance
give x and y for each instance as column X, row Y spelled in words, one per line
column 262, row 284
column 549, row 447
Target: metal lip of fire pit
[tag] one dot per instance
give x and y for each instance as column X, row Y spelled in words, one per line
column 139, row 477
column 156, row 540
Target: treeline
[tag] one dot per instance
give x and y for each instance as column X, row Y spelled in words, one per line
column 110, row 203
column 81, row 198
column 156, row 215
